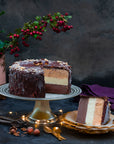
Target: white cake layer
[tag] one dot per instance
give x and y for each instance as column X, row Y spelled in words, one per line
column 57, row 81
column 90, row 111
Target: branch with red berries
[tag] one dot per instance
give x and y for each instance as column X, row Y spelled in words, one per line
column 57, row 22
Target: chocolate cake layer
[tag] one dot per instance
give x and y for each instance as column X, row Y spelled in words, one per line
column 58, row 89
column 82, row 110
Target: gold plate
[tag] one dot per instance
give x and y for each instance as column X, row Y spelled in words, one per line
column 69, row 120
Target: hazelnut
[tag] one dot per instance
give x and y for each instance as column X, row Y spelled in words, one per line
column 46, row 62
column 46, row 59
column 12, row 131
column 30, row 130
column 36, row 132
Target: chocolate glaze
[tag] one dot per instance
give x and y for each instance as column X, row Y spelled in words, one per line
column 45, row 63
column 26, row 84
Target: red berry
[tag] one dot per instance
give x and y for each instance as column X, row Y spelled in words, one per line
column 11, row 46
column 40, row 38
column 15, row 35
column 42, row 30
column 45, row 22
column 18, row 49
column 49, row 15
column 1, row 53
column 30, row 130
column 54, row 28
column 56, row 17
column 23, row 38
column 37, row 37
column 27, row 45
column 27, row 30
column 36, row 132
column 45, row 25
column 51, row 20
column 22, row 30
column 10, row 36
column 31, row 33
column 16, row 55
column 42, row 21
column 66, row 26
column 12, row 50
column 40, row 33
column 15, row 49
column 66, row 14
column 35, row 27
column 37, row 32
column 71, row 26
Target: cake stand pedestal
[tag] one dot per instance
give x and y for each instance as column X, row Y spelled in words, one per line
column 42, row 111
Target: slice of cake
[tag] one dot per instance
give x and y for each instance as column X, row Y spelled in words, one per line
column 93, row 111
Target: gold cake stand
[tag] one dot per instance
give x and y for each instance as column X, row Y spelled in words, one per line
column 42, row 112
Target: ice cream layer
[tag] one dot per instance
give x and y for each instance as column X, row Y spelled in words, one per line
column 56, row 76
column 94, row 111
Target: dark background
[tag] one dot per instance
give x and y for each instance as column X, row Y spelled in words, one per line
column 88, row 47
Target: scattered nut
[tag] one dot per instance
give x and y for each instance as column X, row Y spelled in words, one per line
column 36, row 132
column 12, row 131
column 23, row 129
column 30, row 130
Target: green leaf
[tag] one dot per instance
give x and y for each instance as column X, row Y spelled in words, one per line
column 58, row 13
column 35, row 22
column 45, row 30
column 67, row 17
column 52, row 24
column 44, row 17
column 35, row 36
column 53, row 17
column 38, row 18
column 2, row 12
column 48, row 21
column 18, row 30
column 1, row 44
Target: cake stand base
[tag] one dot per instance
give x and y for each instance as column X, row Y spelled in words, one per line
column 42, row 113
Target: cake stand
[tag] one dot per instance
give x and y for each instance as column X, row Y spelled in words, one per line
column 42, row 111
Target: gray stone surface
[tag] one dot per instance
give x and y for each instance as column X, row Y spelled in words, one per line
column 88, row 47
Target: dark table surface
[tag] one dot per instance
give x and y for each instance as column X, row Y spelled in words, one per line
column 72, row 137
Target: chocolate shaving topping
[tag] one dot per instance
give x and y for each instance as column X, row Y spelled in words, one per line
column 43, row 63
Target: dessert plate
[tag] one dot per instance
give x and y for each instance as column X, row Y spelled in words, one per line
column 69, row 120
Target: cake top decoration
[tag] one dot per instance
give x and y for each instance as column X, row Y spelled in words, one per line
column 29, row 63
